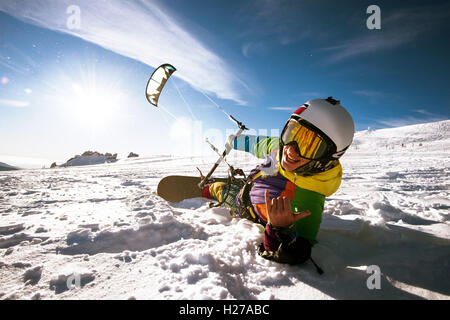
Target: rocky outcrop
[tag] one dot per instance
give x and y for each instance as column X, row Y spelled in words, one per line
column 89, row 158
column 133, row 155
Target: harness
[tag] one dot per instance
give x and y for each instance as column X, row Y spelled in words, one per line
column 245, row 208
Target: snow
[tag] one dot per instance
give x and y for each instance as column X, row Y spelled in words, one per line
column 101, row 232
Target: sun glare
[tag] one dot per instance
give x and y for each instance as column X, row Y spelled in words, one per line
column 91, row 97
column 94, row 106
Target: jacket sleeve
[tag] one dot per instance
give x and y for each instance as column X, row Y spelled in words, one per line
column 259, row 146
column 308, row 227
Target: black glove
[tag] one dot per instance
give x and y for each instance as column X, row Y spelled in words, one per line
column 296, row 251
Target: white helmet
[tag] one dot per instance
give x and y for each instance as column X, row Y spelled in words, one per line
column 329, row 119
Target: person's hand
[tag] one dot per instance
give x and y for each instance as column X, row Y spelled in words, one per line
column 279, row 211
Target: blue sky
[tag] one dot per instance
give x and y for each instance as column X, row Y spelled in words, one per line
column 65, row 90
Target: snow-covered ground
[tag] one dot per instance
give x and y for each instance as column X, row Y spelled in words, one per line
column 103, row 229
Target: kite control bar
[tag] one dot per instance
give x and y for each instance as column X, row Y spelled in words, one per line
column 239, row 124
column 228, row 147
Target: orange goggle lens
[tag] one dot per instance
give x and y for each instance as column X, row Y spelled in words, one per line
column 309, row 143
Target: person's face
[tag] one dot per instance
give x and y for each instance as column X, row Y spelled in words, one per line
column 291, row 160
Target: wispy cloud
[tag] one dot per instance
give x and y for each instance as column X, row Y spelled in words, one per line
column 22, row 63
column 397, row 29
column 429, row 114
column 141, row 30
column 269, row 22
column 252, row 48
column 14, row 103
column 312, row 94
column 369, row 93
column 292, row 109
column 365, row 44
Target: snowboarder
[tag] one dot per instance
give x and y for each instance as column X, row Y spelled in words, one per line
column 286, row 193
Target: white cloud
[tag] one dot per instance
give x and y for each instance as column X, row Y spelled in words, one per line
column 141, row 30
column 14, row 103
column 282, row 108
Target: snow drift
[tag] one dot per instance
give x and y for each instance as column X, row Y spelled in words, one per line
column 101, row 232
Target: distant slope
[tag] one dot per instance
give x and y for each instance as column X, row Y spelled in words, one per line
column 424, row 137
column 7, row 167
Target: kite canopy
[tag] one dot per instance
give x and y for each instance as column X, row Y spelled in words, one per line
column 157, row 81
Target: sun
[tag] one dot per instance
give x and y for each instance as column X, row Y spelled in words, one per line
column 94, row 106
column 90, row 96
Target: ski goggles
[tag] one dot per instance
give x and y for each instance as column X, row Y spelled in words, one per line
column 310, row 143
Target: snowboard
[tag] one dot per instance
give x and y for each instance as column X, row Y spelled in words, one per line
column 178, row 188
